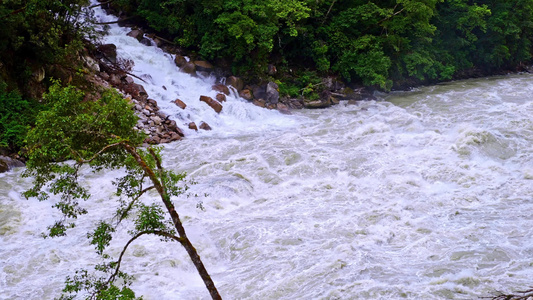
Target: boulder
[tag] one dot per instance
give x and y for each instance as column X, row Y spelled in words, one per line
column 283, row 108
column 157, row 120
column 235, row 82
column 189, row 68
column 152, row 103
column 180, row 103
column 221, row 98
column 219, row 87
column 213, row 103
column 137, row 34
column 7, row 163
column 259, row 102
column 114, row 79
column 91, row 63
column 104, row 76
column 203, row 66
column 272, row 93
column 179, row 132
column 246, row 94
column 157, row 41
column 128, row 80
column 108, row 52
column 137, row 91
column 146, row 42
column 316, row 103
column 180, row 61
column 174, row 137
column 205, row 126
column 171, row 124
column 193, row 126
column 154, row 140
column 332, row 84
column 3, row 166
column 259, row 92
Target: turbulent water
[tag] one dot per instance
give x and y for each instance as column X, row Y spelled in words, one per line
column 425, row 194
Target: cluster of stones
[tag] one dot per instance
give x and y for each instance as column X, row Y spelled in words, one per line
column 153, row 122
column 266, row 94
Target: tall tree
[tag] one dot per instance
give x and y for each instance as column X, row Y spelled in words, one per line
column 99, row 134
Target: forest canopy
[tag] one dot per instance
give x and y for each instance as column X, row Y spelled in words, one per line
column 377, row 43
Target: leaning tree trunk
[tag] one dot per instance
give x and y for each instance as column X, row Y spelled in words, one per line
column 184, row 240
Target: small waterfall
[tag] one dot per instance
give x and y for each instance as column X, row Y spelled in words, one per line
column 165, row 83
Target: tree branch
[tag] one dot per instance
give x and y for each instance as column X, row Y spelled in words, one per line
column 81, row 160
column 125, row 212
column 193, row 254
column 113, row 276
column 329, row 10
column 100, row 4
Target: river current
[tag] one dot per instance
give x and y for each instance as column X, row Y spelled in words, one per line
column 426, row 194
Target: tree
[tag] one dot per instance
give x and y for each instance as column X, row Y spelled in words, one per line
column 75, row 132
column 37, row 33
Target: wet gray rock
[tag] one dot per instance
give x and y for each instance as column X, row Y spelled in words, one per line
column 272, row 93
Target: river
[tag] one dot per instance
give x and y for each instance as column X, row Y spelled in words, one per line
column 426, row 194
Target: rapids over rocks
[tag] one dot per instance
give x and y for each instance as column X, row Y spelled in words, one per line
column 425, row 194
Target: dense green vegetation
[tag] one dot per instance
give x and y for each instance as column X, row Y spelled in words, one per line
column 38, row 34
column 378, row 43
column 16, row 117
column 39, row 38
column 99, row 135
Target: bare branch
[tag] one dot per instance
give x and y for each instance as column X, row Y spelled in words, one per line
column 125, row 212
column 113, row 276
column 81, row 160
column 329, row 10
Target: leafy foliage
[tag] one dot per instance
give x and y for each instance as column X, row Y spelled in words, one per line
column 37, row 33
column 16, row 117
column 378, row 43
column 74, row 132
